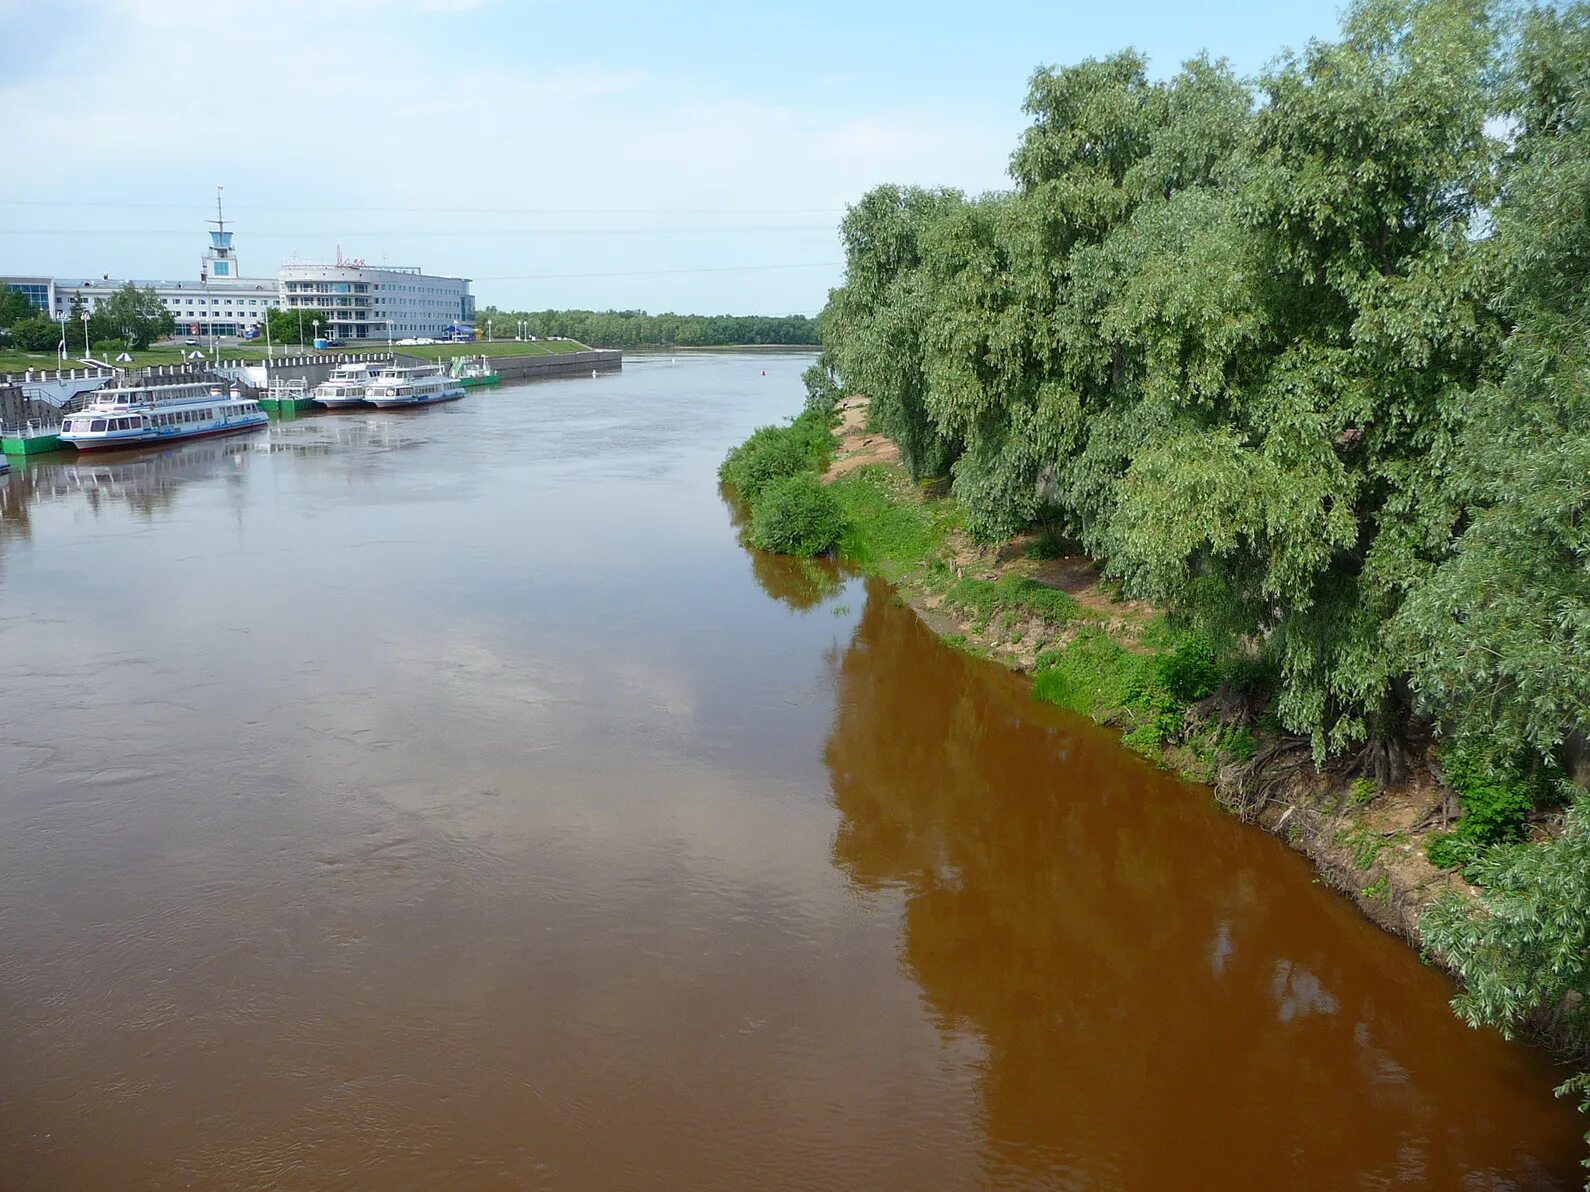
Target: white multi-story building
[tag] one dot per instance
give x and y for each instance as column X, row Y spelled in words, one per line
column 363, row 303
column 368, row 302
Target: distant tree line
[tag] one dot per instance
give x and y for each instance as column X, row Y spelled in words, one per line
column 1304, row 359
column 637, row 329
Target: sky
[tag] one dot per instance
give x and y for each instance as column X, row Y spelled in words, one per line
column 612, row 155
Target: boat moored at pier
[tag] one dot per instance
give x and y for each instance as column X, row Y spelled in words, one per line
column 473, row 371
column 347, row 384
column 137, row 415
column 421, row 385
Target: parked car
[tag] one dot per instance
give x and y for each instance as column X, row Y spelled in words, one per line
column 191, row 342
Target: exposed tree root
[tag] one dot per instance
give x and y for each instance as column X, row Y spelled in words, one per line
column 1247, row 787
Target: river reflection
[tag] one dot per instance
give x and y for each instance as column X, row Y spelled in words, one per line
column 143, row 481
column 1161, row 996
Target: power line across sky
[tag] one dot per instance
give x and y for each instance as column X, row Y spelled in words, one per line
column 339, row 207
column 303, row 233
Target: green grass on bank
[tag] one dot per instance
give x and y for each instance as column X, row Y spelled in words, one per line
column 12, row 361
column 1141, row 678
column 888, row 529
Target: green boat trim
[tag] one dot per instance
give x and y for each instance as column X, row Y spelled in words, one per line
column 31, row 444
column 484, row 379
column 279, row 404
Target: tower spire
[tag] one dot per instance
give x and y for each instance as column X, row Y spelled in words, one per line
column 219, row 261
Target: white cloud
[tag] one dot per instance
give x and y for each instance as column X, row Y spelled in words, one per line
column 311, row 115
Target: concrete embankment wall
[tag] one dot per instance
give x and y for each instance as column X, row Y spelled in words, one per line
column 559, row 364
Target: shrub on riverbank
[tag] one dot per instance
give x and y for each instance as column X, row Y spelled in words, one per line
column 776, row 473
column 796, row 515
column 772, row 453
column 1523, row 950
column 1496, row 795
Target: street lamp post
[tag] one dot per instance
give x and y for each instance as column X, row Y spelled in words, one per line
column 488, row 330
column 316, row 323
column 61, row 351
column 88, row 349
column 300, row 328
column 269, row 351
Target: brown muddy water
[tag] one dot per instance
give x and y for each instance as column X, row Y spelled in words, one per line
column 445, row 799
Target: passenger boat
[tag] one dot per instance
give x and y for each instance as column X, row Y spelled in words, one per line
column 286, row 397
column 420, row 385
column 134, row 415
column 347, row 384
column 472, row 371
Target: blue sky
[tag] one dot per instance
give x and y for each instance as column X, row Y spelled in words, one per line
column 657, row 156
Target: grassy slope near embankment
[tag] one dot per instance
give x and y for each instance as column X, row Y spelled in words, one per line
column 1120, row 663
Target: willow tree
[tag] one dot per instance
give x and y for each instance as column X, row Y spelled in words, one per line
column 1500, row 631
column 1165, row 302
column 1017, row 369
column 873, row 326
column 1305, row 513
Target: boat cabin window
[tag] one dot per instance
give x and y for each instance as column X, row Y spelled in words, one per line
column 97, row 424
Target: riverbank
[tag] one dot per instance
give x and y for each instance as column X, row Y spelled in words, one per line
column 1031, row 606
column 18, row 363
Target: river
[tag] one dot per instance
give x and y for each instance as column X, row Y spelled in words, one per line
column 446, row 798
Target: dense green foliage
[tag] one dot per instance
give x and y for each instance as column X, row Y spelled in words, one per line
column 776, row 473
column 130, row 318
column 1496, row 794
column 796, row 515
column 1498, row 635
column 135, row 316
column 1304, row 361
column 637, row 329
column 295, row 326
column 1526, row 948
column 1229, row 341
column 14, row 308
column 774, row 452
column 38, row 334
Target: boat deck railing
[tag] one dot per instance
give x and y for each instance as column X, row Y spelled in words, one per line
column 33, row 428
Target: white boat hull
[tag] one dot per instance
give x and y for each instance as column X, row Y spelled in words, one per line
column 426, row 399
column 109, row 440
